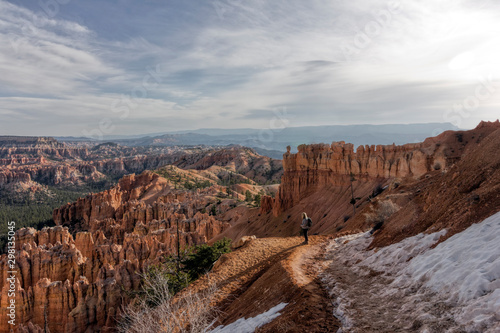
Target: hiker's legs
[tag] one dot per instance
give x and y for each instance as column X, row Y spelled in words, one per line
column 306, row 238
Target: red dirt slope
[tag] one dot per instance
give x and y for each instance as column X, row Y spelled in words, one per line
column 267, row 272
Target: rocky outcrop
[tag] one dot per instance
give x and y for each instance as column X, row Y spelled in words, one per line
column 76, row 276
column 243, row 241
column 53, row 163
column 58, row 152
column 35, row 147
column 320, row 165
column 7, row 177
column 240, row 160
column 448, row 181
column 27, row 140
column 266, row 204
column 51, row 174
column 469, row 192
column 20, row 160
column 49, row 162
column 136, row 164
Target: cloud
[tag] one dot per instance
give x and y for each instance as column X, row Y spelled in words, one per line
column 45, row 57
column 231, row 63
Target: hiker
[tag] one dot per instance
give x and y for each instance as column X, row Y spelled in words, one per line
column 306, row 225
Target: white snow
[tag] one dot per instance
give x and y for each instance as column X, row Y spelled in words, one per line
column 392, row 258
column 249, row 325
column 460, row 275
column 465, row 268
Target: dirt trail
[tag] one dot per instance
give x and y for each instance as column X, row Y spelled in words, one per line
column 322, row 289
column 363, row 303
column 310, row 308
column 270, row 271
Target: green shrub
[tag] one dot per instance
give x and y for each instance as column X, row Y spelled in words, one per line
column 257, row 199
column 201, row 258
column 176, row 275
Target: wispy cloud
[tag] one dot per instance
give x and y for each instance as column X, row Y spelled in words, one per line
column 219, row 63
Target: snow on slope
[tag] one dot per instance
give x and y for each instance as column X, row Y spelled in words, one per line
column 249, row 325
column 465, row 268
column 454, row 286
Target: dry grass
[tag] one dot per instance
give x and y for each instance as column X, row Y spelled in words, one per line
column 383, row 211
column 158, row 311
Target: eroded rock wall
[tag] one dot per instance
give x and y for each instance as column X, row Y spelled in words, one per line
column 77, row 275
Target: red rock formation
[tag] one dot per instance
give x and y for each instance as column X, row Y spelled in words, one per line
column 21, row 160
column 467, row 193
column 317, row 181
column 266, row 204
column 52, row 163
column 7, row 177
column 76, row 284
column 319, row 165
column 136, row 164
column 58, row 152
column 240, row 160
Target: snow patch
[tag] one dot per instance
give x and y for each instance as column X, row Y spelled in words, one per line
column 249, row 325
column 465, row 269
column 456, row 283
column 392, row 258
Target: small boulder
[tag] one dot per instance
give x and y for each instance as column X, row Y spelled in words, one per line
column 242, row 241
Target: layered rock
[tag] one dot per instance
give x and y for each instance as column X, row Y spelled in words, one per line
column 319, row 165
column 240, row 160
column 49, row 162
column 467, row 193
column 27, row 140
column 8, row 176
column 136, row 164
column 20, row 160
column 76, row 276
column 58, row 152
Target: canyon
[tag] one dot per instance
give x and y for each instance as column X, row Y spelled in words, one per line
column 49, row 162
column 317, row 180
column 104, row 240
column 435, row 201
column 76, row 276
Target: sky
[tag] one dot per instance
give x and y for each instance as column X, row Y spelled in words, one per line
column 97, row 68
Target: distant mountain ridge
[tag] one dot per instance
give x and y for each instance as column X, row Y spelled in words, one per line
column 273, row 142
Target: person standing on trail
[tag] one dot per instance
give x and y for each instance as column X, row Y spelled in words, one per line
column 306, row 225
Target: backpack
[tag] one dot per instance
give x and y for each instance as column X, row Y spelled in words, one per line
column 309, row 222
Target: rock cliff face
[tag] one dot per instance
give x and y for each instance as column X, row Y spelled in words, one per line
column 468, row 192
column 27, row 140
column 317, row 180
column 7, row 177
column 74, row 277
column 136, row 164
column 39, row 146
column 319, row 165
column 49, row 162
column 14, row 159
column 240, row 160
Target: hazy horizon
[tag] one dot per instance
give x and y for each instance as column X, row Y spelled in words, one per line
column 201, row 129
column 100, row 68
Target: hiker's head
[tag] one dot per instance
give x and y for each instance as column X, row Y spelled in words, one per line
column 304, row 215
